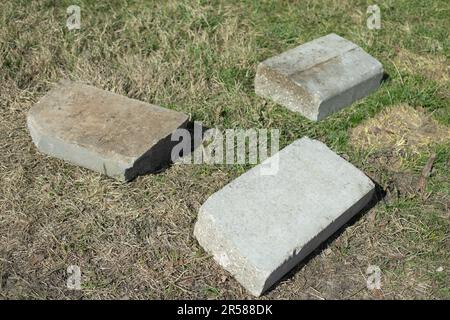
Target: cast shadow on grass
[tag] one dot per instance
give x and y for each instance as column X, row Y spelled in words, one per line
column 158, row 158
column 378, row 195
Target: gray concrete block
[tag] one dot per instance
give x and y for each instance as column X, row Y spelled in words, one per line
column 258, row 227
column 320, row 77
column 103, row 131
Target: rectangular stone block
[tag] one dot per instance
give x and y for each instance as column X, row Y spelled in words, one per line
column 258, row 227
column 320, row 77
column 103, row 131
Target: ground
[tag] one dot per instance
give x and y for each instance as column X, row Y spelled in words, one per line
column 135, row 240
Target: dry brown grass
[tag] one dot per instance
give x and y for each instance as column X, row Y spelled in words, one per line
column 435, row 67
column 135, row 240
column 399, row 131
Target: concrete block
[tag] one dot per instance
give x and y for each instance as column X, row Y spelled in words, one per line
column 103, row 131
column 258, row 227
column 320, row 77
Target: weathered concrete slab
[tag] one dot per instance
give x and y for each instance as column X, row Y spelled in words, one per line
column 319, row 77
column 103, row 131
column 258, row 227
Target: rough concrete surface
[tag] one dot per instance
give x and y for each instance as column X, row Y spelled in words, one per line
column 258, row 227
column 320, row 77
column 103, row 131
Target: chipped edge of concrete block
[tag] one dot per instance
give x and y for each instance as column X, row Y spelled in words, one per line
column 284, row 92
column 275, row 86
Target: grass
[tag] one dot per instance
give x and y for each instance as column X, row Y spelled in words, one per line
column 135, row 240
